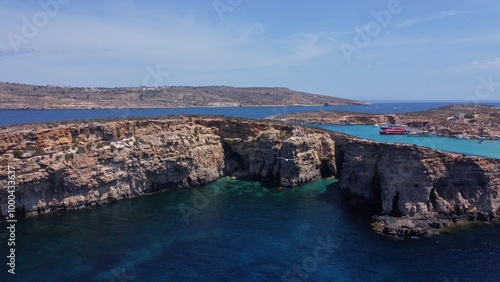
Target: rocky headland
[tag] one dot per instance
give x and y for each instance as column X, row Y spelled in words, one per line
column 23, row 96
column 472, row 120
column 68, row 166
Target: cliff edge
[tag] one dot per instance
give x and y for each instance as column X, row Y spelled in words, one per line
column 418, row 190
column 67, row 166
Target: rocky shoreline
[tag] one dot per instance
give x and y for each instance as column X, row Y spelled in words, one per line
column 448, row 121
column 68, row 166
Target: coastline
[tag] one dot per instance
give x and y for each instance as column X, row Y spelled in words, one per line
column 447, row 121
column 68, row 166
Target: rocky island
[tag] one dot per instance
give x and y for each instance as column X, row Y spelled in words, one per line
column 22, row 96
column 67, row 166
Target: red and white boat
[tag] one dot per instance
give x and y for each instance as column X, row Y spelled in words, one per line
column 395, row 131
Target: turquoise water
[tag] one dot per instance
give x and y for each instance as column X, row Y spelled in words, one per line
column 242, row 231
column 490, row 148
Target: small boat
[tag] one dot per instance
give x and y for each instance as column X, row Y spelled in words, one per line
column 480, row 138
column 395, row 131
column 481, row 141
column 422, row 133
column 390, row 125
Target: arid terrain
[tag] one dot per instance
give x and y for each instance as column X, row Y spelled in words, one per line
column 22, row 96
column 475, row 120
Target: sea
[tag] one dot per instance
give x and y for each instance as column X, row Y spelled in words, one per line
column 233, row 230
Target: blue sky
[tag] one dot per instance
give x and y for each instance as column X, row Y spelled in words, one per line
column 369, row 50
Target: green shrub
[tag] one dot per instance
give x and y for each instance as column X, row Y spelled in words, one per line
column 36, row 149
column 80, row 150
column 469, row 116
column 18, row 154
column 263, row 137
column 69, row 157
column 284, row 135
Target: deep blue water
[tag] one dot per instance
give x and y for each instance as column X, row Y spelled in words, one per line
column 10, row 117
column 242, row 232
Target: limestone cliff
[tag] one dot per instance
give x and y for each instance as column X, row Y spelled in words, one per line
column 71, row 165
column 418, row 189
column 66, row 166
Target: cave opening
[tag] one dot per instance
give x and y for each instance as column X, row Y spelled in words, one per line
column 376, row 195
column 395, row 208
column 325, row 169
column 339, row 159
column 432, row 199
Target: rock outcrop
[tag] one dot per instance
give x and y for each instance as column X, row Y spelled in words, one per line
column 66, row 166
column 72, row 165
column 419, row 189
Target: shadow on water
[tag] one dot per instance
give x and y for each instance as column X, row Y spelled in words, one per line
column 357, row 210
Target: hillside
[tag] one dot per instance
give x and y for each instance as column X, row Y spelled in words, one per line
column 22, row 96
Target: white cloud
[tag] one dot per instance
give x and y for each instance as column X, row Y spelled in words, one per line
column 415, row 21
column 176, row 43
column 485, row 64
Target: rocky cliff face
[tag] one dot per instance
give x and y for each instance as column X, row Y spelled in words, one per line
column 418, row 189
column 73, row 165
column 67, row 166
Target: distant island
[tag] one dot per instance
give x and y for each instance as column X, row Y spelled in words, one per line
column 23, row 96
